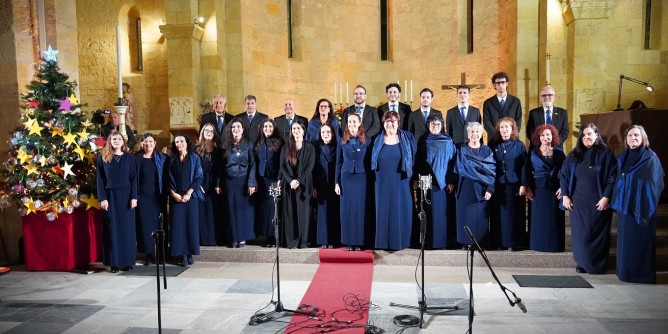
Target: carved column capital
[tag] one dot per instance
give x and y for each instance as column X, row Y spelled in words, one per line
column 587, row 9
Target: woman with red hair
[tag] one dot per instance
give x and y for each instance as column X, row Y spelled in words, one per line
column 540, row 183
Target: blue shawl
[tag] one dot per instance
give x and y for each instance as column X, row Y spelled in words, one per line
column 480, row 168
column 637, row 192
column 406, row 145
column 440, row 152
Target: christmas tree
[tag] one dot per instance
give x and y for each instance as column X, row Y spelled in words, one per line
column 50, row 165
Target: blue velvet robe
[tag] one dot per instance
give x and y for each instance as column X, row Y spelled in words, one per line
column 475, row 170
column 117, row 184
column 394, row 214
column 547, row 223
column 635, row 198
column 436, row 157
column 508, row 212
column 184, row 217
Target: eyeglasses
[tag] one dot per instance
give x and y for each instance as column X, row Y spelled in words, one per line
column 497, row 83
column 546, row 95
column 208, row 131
column 436, row 124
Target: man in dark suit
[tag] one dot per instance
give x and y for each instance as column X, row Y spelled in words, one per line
column 284, row 122
column 457, row 117
column 369, row 114
column 252, row 118
column 219, row 117
column 548, row 114
column 500, row 105
column 393, row 91
column 418, row 118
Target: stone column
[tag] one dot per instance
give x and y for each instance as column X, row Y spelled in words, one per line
column 183, row 38
column 585, row 72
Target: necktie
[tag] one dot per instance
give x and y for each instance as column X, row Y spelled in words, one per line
column 548, row 116
column 220, row 124
column 502, row 103
column 463, row 111
column 426, row 114
column 250, row 119
column 359, row 111
column 289, row 124
column 393, row 107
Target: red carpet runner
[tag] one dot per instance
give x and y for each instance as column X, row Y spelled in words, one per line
column 340, row 273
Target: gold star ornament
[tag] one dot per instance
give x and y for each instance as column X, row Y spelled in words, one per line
column 91, row 202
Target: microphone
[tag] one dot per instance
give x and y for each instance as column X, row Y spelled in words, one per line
column 521, row 305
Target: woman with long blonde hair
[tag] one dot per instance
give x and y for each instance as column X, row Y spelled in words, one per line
column 117, row 193
column 207, row 149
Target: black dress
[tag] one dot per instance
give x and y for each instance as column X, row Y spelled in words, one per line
column 296, row 202
column 149, row 205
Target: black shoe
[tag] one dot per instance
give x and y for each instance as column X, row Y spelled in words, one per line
column 358, row 248
column 510, row 249
column 580, row 270
column 114, row 270
column 191, row 261
column 349, row 248
column 466, row 247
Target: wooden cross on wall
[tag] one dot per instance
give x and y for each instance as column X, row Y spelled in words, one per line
column 463, row 83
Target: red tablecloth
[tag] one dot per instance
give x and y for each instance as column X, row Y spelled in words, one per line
column 72, row 241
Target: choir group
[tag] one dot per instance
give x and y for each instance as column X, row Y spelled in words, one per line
column 356, row 183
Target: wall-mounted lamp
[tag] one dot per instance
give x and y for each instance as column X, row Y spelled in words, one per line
column 619, row 94
column 198, row 20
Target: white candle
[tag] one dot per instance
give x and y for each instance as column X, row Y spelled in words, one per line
column 347, row 95
column 411, row 90
column 118, row 61
column 547, row 67
column 340, row 92
column 406, row 90
column 335, row 93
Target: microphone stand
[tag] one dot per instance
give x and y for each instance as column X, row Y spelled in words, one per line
column 275, row 192
column 158, row 239
column 476, row 246
column 425, row 184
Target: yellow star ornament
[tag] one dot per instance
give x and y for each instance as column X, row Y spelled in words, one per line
column 91, row 202
column 67, row 170
column 31, row 206
column 55, row 131
column 86, row 123
column 81, row 152
column 29, row 122
column 23, row 156
column 32, row 169
column 35, row 129
column 70, row 138
column 73, row 99
column 43, row 161
column 83, row 134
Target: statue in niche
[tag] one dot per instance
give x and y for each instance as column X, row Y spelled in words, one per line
column 130, row 100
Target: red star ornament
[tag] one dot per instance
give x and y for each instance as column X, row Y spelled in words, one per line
column 33, row 104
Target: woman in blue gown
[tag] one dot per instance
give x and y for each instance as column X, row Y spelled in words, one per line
column 185, row 179
column 540, row 183
column 587, row 178
column 237, row 174
column 475, row 186
column 324, row 114
column 436, row 157
column 297, row 161
column 352, row 156
column 328, row 223
column 392, row 160
column 267, row 161
column 117, row 193
column 207, row 150
column 508, row 207
column 151, row 173
column 635, row 198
